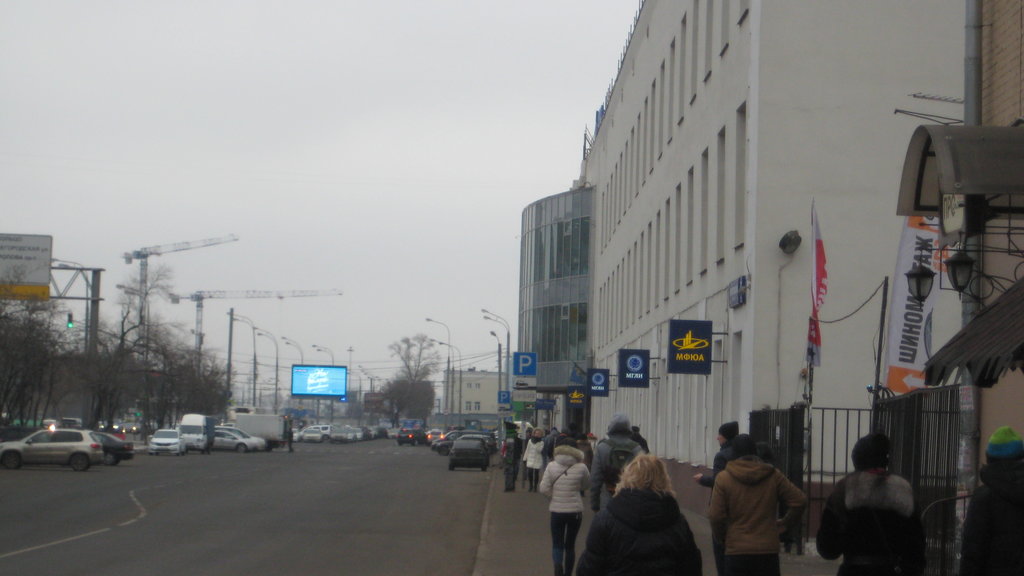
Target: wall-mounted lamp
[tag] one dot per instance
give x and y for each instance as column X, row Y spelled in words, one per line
column 959, row 268
column 790, row 242
column 919, row 282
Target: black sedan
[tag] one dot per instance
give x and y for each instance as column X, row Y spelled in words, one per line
column 412, row 436
column 444, row 445
column 469, row 452
column 114, row 449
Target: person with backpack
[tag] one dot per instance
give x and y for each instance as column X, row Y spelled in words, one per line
column 610, row 457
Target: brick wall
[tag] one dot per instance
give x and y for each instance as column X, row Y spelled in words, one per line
column 1002, row 62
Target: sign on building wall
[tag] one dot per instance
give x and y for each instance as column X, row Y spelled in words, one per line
column 576, row 396
column 633, row 368
column 597, row 381
column 689, row 347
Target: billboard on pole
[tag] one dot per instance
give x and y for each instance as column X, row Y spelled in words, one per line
column 25, row 266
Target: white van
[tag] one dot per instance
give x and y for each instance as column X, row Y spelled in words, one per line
column 197, row 431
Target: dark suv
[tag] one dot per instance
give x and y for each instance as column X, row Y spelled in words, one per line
column 412, row 436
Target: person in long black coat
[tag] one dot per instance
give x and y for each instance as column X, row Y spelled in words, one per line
column 871, row 518
column 994, row 526
column 641, row 531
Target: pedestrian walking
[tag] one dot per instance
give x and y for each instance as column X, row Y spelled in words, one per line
column 871, row 518
column 612, row 454
column 289, row 434
column 639, row 439
column 534, row 458
column 584, row 441
column 726, row 433
column 744, row 511
column 564, row 481
column 994, row 527
column 641, row 531
column 549, row 447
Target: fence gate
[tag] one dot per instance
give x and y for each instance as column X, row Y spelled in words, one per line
column 783, row 431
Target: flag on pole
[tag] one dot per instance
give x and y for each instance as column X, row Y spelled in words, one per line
column 819, row 288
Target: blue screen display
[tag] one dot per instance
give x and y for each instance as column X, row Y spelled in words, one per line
column 310, row 380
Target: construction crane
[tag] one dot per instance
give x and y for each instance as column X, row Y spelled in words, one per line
column 143, row 254
column 201, row 295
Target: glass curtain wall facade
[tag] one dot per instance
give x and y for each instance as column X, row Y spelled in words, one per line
column 555, row 286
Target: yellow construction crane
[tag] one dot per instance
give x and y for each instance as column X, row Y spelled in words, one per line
column 143, row 254
column 201, row 295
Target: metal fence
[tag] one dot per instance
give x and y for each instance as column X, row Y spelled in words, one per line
column 783, row 432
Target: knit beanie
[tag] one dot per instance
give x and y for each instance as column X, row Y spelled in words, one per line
column 743, row 445
column 1005, row 444
column 871, row 451
column 729, row 430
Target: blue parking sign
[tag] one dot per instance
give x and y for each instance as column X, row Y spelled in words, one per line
column 524, row 364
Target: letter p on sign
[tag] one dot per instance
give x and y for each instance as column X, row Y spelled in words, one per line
column 524, row 364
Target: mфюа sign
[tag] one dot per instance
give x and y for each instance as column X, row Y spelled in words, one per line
column 689, row 347
column 25, row 266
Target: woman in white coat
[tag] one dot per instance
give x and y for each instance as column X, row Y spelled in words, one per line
column 565, row 479
column 534, row 458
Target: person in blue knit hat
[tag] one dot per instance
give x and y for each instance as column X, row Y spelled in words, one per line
column 994, row 527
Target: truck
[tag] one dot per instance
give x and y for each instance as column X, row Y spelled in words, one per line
column 197, row 430
column 271, row 427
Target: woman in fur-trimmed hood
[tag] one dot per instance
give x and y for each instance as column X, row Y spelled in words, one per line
column 565, row 479
column 871, row 519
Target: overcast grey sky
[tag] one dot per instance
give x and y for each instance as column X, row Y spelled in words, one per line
column 386, row 149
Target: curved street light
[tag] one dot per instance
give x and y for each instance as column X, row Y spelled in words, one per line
column 277, row 365
column 491, row 316
column 253, row 326
column 294, row 344
column 325, row 350
column 447, row 372
column 459, row 352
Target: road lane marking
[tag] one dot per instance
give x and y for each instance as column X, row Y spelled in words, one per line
column 142, row 510
column 54, row 543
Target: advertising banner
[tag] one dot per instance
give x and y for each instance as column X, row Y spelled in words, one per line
column 689, row 347
column 597, row 380
column 633, row 368
column 910, row 321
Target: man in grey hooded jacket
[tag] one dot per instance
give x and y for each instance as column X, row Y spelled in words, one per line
column 603, row 475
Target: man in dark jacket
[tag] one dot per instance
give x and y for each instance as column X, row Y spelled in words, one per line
column 726, row 433
column 605, row 475
column 871, row 518
column 994, row 527
column 639, row 439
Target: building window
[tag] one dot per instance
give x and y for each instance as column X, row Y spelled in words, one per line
column 740, row 184
column 720, row 197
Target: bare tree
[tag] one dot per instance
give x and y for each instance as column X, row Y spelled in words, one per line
column 410, row 393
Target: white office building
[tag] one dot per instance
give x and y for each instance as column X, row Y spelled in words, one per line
column 726, row 121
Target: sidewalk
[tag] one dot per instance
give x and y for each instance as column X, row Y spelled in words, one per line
column 515, row 539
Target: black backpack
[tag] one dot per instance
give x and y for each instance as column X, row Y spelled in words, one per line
column 622, row 453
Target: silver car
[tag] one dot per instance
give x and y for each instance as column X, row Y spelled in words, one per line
column 167, row 441
column 316, row 433
column 75, row 448
column 227, row 439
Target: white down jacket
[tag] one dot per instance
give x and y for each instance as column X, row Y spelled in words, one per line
column 564, row 479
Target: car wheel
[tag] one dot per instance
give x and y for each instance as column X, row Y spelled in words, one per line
column 79, row 462
column 110, row 459
column 11, row 460
column 241, row 448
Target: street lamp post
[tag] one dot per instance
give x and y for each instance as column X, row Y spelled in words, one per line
column 459, row 352
column 302, row 357
column 488, row 315
column 253, row 326
column 447, row 374
column 277, row 366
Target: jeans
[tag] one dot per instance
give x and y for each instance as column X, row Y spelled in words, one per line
column 752, row 565
column 564, row 528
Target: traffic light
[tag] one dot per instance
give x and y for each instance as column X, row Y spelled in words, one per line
column 71, row 320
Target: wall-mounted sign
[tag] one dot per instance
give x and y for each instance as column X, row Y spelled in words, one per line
column 576, row 395
column 633, row 368
column 597, row 380
column 738, row 292
column 689, row 347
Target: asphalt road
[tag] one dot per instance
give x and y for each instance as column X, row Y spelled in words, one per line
column 369, row 508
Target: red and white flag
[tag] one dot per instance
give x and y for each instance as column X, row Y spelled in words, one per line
column 819, row 288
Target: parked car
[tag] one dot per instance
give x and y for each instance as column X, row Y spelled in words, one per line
column 259, row 443
column 75, row 448
column 469, row 452
column 316, row 433
column 226, row 439
column 380, row 432
column 167, row 440
column 444, row 445
column 114, row 448
column 434, row 434
column 346, row 434
column 411, row 436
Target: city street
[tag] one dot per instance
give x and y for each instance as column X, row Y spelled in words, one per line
column 368, row 508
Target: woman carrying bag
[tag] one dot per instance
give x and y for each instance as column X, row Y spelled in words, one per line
column 565, row 479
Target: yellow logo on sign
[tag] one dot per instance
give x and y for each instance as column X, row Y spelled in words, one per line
column 576, row 395
column 688, row 342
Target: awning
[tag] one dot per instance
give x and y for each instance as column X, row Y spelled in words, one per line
column 990, row 345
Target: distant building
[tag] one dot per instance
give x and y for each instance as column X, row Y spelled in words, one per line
column 554, row 289
column 474, row 399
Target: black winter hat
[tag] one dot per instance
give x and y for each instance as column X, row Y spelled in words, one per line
column 729, row 430
column 871, row 451
column 743, row 445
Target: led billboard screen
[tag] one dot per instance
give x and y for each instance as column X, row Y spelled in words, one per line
column 321, row 381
